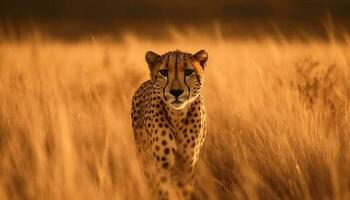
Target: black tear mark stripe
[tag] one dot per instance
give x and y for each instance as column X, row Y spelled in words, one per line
column 167, row 80
column 189, row 91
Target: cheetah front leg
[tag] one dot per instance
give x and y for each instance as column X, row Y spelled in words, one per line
column 184, row 172
column 164, row 149
column 189, row 144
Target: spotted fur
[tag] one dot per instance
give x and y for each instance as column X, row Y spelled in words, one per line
column 169, row 121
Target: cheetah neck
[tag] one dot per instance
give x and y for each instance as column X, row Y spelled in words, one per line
column 176, row 116
column 179, row 117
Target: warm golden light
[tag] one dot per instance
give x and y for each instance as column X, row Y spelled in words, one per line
column 276, row 96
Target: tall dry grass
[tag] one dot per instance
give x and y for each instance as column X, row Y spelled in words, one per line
column 278, row 118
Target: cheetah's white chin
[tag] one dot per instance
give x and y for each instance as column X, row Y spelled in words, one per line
column 178, row 105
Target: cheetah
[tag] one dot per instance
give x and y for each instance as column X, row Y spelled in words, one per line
column 169, row 121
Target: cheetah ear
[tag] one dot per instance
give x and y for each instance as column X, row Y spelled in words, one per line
column 151, row 58
column 202, row 57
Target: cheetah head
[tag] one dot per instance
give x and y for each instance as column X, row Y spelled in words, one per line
column 178, row 76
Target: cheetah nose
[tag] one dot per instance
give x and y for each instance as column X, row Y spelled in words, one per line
column 176, row 93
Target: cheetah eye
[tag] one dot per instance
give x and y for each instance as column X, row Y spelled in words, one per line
column 188, row 72
column 163, row 72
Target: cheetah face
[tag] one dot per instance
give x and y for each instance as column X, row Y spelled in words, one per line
column 178, row 76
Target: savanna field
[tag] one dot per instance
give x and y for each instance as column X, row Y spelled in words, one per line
column 278, row 117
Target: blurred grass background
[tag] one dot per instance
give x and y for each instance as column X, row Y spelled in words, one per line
column 278, row 118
